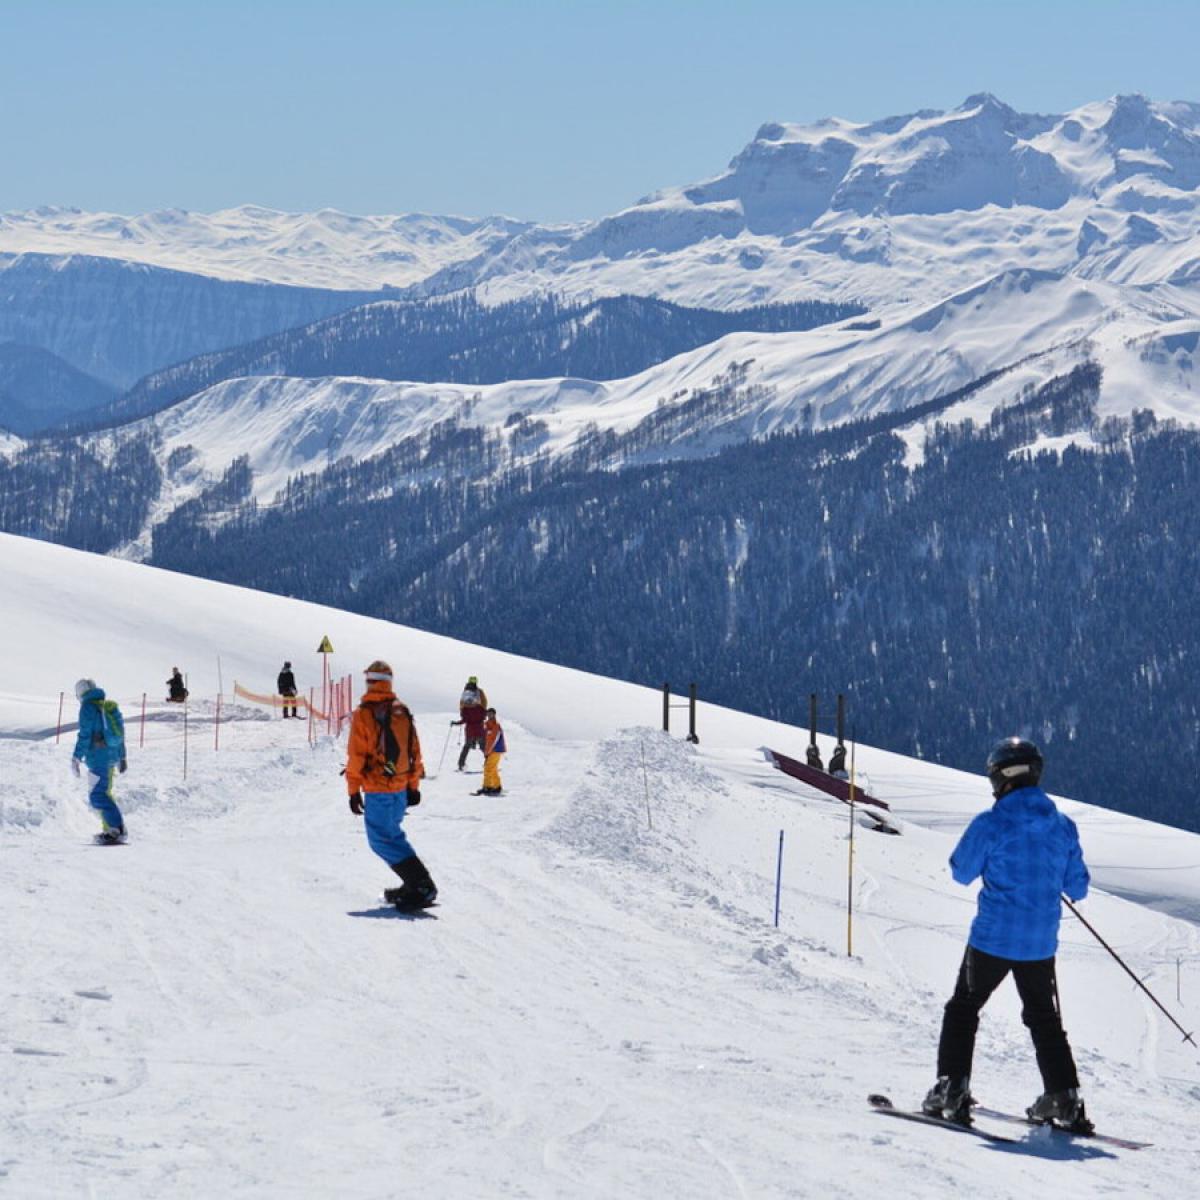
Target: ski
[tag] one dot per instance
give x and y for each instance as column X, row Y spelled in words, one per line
column 882, row 1105
column 1014, row 1119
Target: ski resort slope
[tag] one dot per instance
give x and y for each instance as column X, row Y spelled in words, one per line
column 599, row 1005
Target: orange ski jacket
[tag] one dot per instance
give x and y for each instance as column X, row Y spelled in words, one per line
column 366, row 756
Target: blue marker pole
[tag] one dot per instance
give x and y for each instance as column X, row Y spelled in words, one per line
column 778, row 878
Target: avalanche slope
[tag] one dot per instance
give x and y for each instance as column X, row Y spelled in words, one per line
column 599, row 1004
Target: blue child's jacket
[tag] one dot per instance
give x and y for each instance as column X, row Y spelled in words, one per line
column 98, row 744
column 1028, row 853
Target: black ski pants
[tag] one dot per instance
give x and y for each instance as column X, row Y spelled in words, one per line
column 469, row 743
column 978, row 977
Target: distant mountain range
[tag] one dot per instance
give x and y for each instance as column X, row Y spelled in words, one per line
column 834, row 210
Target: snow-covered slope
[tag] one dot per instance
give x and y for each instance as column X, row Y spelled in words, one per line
column 910, row 206
column 325, row 249
column 601, row 1003
column 1038, row 324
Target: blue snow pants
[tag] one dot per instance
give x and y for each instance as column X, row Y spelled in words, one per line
column 383, row 815
column 100, row 797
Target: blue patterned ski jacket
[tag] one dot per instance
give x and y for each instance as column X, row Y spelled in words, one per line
column 1028, row 853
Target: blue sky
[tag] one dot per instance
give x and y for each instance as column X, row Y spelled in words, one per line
column 551, row 111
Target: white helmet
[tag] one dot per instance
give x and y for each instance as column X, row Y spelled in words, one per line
column 84, row 685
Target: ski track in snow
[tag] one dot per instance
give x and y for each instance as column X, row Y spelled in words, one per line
column 224, row 1007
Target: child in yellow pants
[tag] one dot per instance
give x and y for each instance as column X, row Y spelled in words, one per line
column 493, row 748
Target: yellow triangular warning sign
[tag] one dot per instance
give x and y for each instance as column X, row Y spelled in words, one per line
column 326, row 646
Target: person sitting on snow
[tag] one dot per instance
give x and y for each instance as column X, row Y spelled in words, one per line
column 177, row 689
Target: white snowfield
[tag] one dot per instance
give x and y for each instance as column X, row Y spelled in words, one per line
column 600, row 1004
column 904, row 207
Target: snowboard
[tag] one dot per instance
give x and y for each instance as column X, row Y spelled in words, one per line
column 107, row 839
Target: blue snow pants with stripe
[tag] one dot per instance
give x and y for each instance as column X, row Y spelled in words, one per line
column 383, row 815
column 100, row 797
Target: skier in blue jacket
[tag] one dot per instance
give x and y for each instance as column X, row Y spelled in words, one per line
column 101, row 745
column 1028, row 854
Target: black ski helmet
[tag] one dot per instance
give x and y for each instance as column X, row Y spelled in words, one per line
column 1013, row 763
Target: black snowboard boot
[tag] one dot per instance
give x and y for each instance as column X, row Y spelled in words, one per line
column 419, row 890
column 1061, row 1108
column 949, row 1099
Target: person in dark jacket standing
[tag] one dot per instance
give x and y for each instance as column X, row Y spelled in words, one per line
column 176, row 688
column 1028, row 854
column 472, row 711
column 285, row 685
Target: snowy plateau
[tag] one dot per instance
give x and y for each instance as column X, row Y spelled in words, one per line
column 600, row 1004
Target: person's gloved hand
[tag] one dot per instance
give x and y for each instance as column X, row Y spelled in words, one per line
column 455, row 722
column 123, row 765
column 356, row 804
column 75, row 767
column 414, row 797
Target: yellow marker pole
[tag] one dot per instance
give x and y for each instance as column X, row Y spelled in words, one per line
column 850, row 867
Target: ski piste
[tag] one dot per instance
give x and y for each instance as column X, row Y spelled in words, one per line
column 881, row 1104
column 1105, row 1138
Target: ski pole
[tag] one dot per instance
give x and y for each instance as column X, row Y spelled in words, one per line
column 1187, row 1037
column 445, row 747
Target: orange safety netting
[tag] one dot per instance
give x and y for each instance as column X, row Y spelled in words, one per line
column 276, row 701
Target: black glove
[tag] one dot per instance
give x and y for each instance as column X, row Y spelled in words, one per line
column 414, row 797
column 455, row 722
column 123, row 765
column 356, row 806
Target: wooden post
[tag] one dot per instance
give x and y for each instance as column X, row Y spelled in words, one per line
column 142, row 732
column 666, row 708
column 58, row 727
column 217, row 725
column 692, row 736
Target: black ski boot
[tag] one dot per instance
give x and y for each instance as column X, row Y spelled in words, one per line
column 1064, row 1109
column 419, row 890
column 949, row 1099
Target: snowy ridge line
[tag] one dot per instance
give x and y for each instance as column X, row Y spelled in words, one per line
column 835, row 210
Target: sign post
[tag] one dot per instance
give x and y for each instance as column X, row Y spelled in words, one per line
column 325, row 649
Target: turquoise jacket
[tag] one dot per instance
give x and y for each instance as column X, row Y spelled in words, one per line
column 101, row 739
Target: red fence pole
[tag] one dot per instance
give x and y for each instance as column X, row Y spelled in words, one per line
column 310, row 716
column 58, row 727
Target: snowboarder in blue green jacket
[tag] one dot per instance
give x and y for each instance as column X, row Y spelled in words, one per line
column 101, row 745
